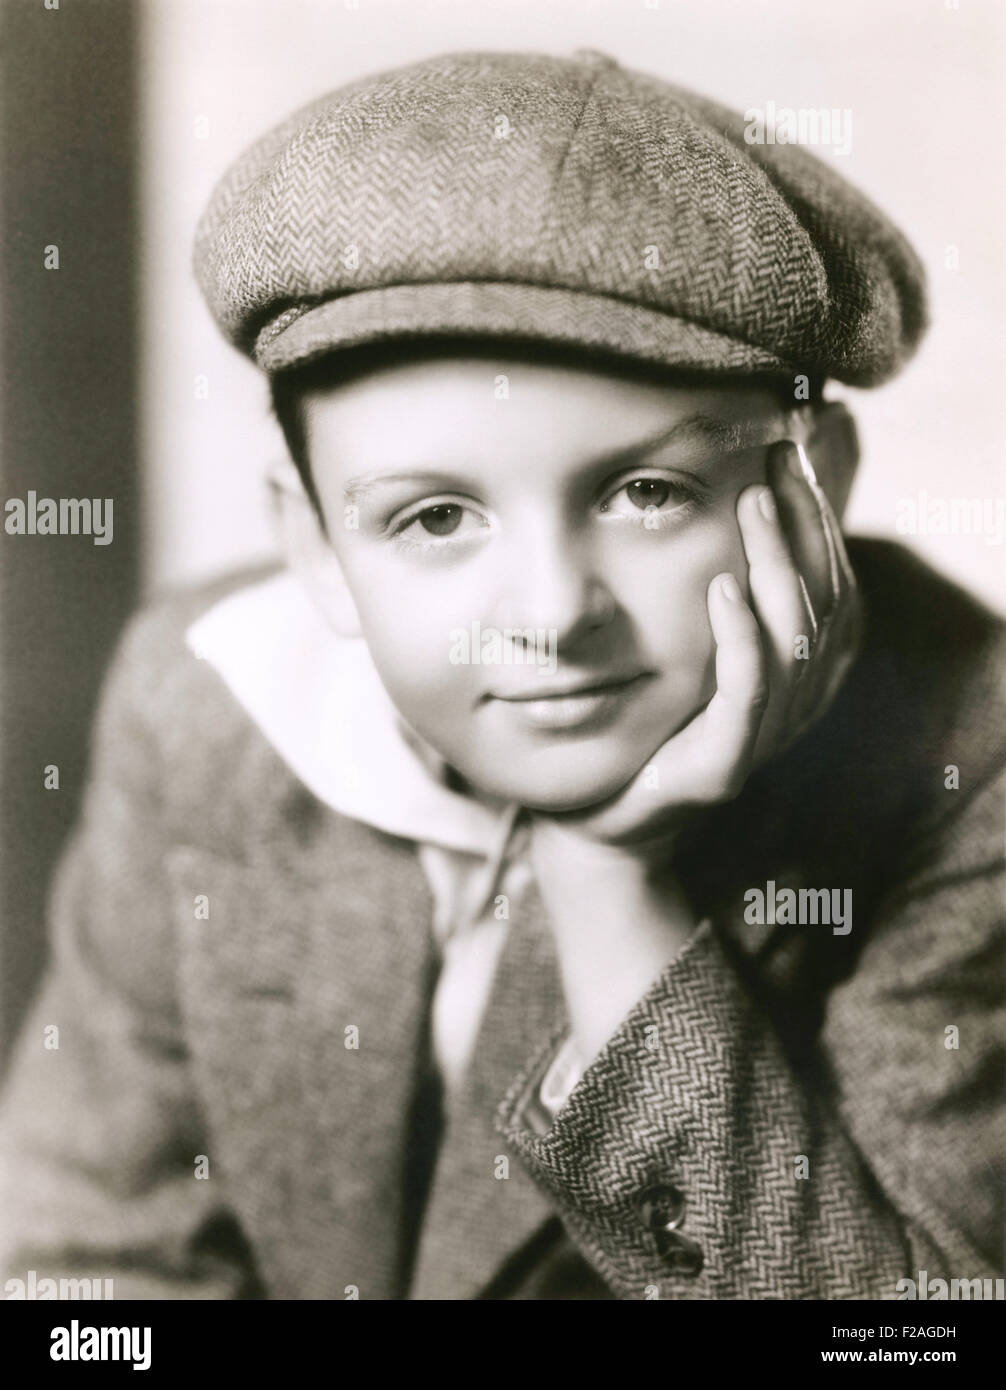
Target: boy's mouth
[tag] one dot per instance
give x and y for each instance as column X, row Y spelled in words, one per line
column 571, row 704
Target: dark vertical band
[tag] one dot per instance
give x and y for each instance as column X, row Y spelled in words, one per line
column 68, row 407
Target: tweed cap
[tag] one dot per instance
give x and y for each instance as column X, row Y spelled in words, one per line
column 567, row 200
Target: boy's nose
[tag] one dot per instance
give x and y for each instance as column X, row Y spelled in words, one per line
column 554, row 585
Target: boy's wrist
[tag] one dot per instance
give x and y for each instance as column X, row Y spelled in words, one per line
column 616, row 924
column 564, row 851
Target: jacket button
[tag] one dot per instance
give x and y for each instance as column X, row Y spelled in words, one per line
column 662, row 1208
column 680, row 1255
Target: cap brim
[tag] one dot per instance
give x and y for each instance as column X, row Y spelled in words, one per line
column 506, row 311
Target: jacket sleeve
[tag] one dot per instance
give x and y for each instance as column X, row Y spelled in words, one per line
column 99, row 1131
column 690, row 1161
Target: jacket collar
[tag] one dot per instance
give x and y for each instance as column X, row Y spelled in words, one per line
column 318, row 1146
column 318, row 699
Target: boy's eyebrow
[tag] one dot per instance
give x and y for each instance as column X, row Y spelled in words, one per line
column 358, row 487
column 728, row 435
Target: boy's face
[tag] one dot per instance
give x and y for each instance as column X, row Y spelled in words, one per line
column 514, row 533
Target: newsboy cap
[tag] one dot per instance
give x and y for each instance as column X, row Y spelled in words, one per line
column 566, row 200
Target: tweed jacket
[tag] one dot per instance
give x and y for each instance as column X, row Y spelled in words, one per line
column 787, row 1113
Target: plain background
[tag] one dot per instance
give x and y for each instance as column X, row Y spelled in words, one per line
column 116, row 119
column 70, row 137
column 922, row 78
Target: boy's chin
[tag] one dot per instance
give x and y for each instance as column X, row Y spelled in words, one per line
column 555, row 794
column 562, row 777
column 556, row 805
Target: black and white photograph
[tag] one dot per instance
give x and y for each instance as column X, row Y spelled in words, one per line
column 503, row 687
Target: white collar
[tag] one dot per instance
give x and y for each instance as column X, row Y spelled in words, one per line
column 318, row 699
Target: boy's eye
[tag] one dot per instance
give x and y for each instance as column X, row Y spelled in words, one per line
column 645, row 494
column 648, row 492
column 437, row 521
column 442, row 519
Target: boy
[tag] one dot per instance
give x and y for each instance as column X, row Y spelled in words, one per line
column 576, row 877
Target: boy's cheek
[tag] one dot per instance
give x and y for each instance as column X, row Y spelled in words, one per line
column 730, row 554
column 671, row 606
column 676, row 619
column 416, row 668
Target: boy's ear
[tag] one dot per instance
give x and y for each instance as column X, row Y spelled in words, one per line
column 832, row 444
column 308, row 551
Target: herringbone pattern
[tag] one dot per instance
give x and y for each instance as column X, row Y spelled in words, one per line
column 568, row 199
column 714, row 1107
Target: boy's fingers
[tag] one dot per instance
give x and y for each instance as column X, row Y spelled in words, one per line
column 839, row 646
column 724, row 735
column 777, row 593
column 811, row 543
column 846, row 578
column 838, row 637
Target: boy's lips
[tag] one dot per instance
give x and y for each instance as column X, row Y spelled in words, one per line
column 572, row 705
column 562, row 690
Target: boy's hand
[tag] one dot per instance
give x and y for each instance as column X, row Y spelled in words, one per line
column 779, row 663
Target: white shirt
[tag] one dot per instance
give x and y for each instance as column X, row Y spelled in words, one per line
column 318, row 699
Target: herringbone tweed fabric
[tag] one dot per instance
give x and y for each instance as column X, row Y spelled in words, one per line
column 560, row 199
column 794, row 1087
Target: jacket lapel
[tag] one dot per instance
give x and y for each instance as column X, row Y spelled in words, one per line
column 476, row 1218
column 306, row 991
